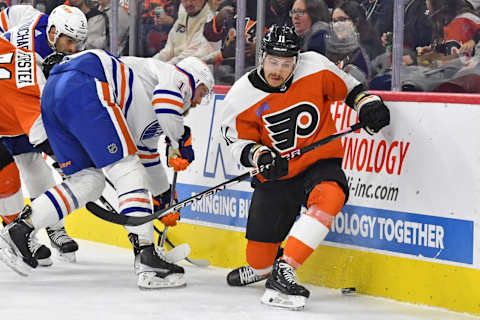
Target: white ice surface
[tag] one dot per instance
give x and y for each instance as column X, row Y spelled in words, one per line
column 102, row 285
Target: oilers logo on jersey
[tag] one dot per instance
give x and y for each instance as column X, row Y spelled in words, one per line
column 299, row 120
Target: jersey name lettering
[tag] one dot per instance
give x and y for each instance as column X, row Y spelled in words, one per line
column 24, row 69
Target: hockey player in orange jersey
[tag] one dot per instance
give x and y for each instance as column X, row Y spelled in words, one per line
column 20, row 115
column 279, row 107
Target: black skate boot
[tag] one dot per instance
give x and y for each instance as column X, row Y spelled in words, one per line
column 41, row 252
column 243, row 276
column 16, row 246
column 282, row 289
column 62, row 242
column 152, row 270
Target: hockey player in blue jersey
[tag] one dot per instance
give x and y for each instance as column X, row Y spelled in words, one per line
column 64, row 30
column 105, row 113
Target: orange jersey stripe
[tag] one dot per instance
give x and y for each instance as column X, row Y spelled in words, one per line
column 64, row 199
column 149, row 156
column 170, row 101
column 143, row 200
column 131, row 148
column 123, row 88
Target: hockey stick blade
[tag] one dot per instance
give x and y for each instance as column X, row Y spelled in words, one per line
column 136, row 221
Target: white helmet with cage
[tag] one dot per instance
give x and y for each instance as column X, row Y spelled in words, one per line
column 199, row 70
column 69, row 21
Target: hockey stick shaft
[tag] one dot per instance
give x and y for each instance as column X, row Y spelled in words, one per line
column 135, row 221
column 172, row 199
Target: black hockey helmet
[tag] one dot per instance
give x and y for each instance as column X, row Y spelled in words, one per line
column 281, row 41
column 51, row 61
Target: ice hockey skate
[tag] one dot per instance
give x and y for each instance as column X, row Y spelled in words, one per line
column 154, row 272
column 282, row 289
column 16, row 245
column 63, row 243
column 41, row 252
column 243, row 276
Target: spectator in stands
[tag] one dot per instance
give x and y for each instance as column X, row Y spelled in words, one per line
column 310, row 19
column 380, row 14
column 186, row 37
column 418, row 26
column 278, row 12
column 3, row 5
column 52, row 4
column 157, row 18
column 40, row 6
column 455, row 26
column 97, row 37
column 344, row 45
column 104, row 6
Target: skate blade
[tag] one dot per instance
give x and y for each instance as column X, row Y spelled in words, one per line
column 69, row 257
column 281, row 300
column 45, row 262
column 149, row 280
column 14, row 262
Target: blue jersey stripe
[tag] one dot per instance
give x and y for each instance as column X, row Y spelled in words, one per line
column 55, row 204
column 134, row 191
column 142, row 148
column 151, row 164
column 69, row 191
column 130, row 86
column 135, row 209
column 173, row 93
column 168, row 111
column 114, row 70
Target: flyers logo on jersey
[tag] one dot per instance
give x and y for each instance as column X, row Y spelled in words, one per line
column 284, row 127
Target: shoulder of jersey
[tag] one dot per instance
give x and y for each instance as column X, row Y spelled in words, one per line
column 311, row 62
column 243, row 94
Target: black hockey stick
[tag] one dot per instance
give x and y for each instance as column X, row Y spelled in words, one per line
column 161, row 240
column 136, row 221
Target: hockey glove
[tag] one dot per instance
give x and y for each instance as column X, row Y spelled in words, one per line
column 274, row 166
column 372, row 112
column 161, row 202
column 180, row 159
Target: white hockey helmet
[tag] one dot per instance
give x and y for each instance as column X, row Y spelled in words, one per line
column 199, row 70
column 69, row 21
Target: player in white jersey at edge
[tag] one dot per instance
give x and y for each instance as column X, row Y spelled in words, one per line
column 64, row 30
column 99, row 111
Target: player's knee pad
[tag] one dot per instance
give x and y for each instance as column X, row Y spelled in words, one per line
column 261, row 255
column 127, row 174
column 325, row 202
column 129, row 178
column 83, row 186
column 36, row 173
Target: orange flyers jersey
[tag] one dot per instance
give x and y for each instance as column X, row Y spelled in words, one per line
column 292, row 119
column 20, row 102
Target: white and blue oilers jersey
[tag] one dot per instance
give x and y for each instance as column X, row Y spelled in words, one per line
column 152, row 96
column 31, row 35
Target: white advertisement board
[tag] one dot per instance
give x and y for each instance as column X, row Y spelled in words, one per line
column 414, row 187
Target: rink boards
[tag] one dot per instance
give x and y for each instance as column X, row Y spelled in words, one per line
column 410, row 228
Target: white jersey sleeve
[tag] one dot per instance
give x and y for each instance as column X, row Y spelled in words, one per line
column 16, row 15
column 171, row 99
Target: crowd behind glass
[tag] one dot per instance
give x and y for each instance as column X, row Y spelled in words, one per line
column 441, row 38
